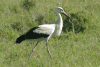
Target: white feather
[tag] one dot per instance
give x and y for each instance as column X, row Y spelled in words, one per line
column 45, row 29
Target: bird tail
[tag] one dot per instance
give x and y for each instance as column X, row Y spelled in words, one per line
column 20, row 39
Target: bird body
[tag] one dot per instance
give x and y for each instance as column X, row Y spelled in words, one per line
column 45, row 31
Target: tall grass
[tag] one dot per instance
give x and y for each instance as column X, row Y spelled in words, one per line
column 72, row 49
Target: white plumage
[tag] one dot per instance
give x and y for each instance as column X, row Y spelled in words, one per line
column 45, row 31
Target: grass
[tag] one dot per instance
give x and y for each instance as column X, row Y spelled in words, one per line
column 72, row 49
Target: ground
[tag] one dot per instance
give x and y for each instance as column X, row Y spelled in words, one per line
column 78, row 45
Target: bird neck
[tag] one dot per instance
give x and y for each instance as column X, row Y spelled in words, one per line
column 59, row 18
column 59, row 24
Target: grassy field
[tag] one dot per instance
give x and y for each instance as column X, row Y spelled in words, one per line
column 78, row 45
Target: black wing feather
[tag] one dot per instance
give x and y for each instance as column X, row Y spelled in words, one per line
column 33, row 35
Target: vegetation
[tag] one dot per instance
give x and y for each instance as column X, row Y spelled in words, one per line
column 78, row 45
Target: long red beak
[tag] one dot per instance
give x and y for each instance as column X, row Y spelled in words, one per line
column 67, row 15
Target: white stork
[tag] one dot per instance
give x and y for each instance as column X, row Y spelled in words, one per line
column 45, row 31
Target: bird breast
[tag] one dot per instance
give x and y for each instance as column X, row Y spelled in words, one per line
column 58, row 30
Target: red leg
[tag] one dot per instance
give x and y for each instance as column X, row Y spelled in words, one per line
column 33, row 49
column 48, row 49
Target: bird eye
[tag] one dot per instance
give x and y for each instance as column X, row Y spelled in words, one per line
column 60, row 9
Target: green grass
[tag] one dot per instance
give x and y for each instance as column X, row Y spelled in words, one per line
column 72, row 49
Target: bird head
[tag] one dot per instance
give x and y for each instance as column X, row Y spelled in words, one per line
column 60, row 10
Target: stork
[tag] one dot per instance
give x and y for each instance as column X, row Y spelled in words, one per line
column 45, row 31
